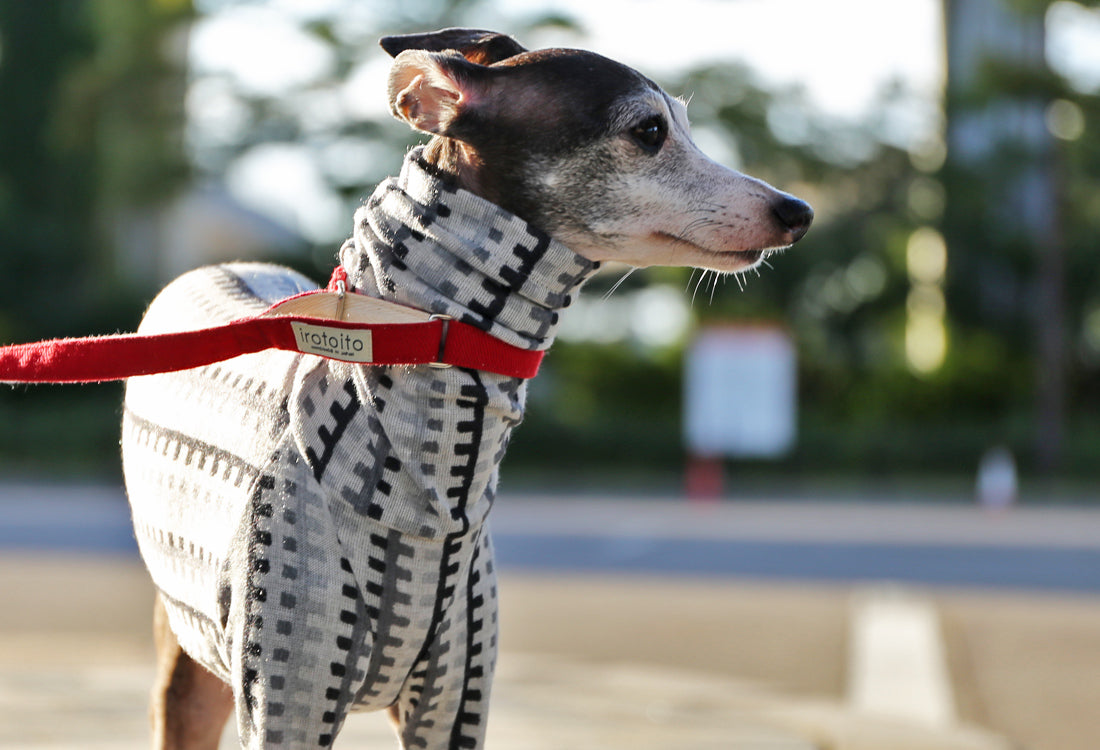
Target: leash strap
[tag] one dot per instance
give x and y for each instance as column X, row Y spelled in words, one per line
column 329, row 323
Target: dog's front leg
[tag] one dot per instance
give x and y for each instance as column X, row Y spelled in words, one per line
column 445, row 701
column 190, row 705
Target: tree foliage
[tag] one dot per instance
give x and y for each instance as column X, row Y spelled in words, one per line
column 100, row 120
column 92, row 116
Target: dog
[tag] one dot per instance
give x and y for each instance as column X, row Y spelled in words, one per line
column 316, row 530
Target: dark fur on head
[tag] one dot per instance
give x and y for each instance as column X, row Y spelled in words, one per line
column 586, row 148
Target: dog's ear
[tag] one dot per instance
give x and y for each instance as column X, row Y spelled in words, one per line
column 476, row 45
column 429, row 90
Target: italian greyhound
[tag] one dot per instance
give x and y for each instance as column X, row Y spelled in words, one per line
column 316, row 529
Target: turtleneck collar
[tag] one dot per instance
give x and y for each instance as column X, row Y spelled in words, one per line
column 423, row 242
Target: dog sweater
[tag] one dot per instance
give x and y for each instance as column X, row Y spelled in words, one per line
column 317, row 530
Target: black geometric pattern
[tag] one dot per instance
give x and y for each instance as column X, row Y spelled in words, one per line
column 317, row 529
column 426, row 243
column 329, row 435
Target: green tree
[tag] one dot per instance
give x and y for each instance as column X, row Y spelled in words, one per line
column 92, row 116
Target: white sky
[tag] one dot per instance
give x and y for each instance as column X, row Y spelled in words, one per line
column 841, row 51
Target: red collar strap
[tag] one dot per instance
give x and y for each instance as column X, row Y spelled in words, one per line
column 330, row 323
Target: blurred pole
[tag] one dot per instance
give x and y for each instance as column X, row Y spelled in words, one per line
column 704, row 478
column 1050, row 329
column 998, row 139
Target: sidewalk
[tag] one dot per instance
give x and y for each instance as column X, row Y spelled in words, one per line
column 75, row 671
column 645, row 661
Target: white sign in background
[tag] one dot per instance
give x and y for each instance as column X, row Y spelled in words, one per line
column 740, row 393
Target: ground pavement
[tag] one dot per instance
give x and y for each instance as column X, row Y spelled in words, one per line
column 639, row 659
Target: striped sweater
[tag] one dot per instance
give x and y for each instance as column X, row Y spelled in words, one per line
column 317, row 530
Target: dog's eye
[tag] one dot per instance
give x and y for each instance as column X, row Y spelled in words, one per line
column 650, row 133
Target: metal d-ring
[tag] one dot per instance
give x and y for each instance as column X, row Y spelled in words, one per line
column 341, row 298
column 439, row 364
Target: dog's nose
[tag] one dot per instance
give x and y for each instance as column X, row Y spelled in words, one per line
column 795, row 215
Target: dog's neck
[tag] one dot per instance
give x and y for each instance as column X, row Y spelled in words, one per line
column 461, row 165
column 422, row 241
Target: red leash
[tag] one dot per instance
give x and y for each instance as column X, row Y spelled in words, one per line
column 326, row 322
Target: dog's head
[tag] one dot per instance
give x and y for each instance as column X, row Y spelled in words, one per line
column 586, row 148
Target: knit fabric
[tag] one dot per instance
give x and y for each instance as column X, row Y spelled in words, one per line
column 316, row 529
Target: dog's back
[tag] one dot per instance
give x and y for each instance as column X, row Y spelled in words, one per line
column 194, row 441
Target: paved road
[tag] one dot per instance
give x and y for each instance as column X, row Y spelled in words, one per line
column 1051, row 569
column 1049, row 549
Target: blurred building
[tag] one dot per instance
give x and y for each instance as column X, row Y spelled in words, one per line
column 1002, row 225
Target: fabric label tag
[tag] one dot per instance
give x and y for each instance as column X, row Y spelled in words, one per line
column 335, row 343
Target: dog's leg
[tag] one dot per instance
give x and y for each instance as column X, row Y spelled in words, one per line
column 445, row 701
column 190, row 705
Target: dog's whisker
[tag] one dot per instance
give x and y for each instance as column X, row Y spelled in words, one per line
column 619, row 283
column 699, row 283
column 690, row 277
column 698, row 223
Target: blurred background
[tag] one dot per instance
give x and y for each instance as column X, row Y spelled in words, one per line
column 936, row 335
column 946, row 302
